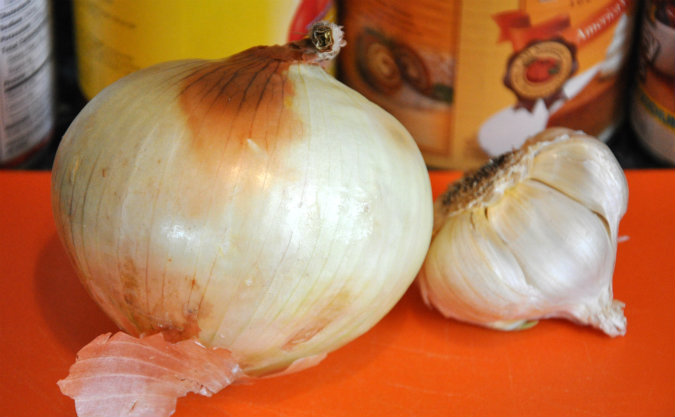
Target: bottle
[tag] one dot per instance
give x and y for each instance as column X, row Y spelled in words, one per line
column 115, row 38
column 26, row 81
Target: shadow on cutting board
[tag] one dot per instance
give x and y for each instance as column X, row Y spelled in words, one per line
column 70, row 313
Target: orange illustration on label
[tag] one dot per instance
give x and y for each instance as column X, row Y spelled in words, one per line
column 539, row 72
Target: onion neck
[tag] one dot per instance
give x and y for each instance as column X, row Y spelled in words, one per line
column 322, row 44
column 327, row 39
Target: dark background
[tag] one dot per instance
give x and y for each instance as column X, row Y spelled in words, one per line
column 623, row 143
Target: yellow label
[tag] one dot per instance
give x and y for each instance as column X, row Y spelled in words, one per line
column 116, row 37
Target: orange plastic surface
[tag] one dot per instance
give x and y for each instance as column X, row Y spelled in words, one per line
column 413, row 363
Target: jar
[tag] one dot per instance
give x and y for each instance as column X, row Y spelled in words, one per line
column 471, row 80
column 653, row 103
column 26, row 81
column 115, row 38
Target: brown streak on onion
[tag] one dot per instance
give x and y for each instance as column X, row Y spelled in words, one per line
column 186, row 330
column 247, row 106
column 175, row 328
column 129, row 279
column 324, row 317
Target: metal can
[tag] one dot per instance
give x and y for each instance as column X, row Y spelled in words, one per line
column 653, row 104
column 471, row 80
column 26, row 81
column 115, row 38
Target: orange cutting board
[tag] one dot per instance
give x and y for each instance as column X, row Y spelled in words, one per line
column 413, row 363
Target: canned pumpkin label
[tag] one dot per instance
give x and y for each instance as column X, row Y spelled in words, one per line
column 471, row 80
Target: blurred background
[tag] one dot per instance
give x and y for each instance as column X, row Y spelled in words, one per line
column 70, row 98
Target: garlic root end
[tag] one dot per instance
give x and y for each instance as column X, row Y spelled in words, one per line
column 610, row 319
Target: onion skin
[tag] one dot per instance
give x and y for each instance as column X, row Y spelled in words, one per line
column 254, row 203
column 120, row 375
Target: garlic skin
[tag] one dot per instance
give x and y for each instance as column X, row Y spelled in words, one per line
column 531, row 235
column 255, row 203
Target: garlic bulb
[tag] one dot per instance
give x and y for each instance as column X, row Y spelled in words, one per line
column 254, row 204
column 532, row 234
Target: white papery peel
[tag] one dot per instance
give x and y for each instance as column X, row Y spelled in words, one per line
column 531, row 235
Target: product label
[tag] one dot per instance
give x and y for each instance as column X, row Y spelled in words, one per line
column 653, row 107
column 115, row 38
column 540, row 71
column 26, row 71
column 403, row 56
column 471, row 80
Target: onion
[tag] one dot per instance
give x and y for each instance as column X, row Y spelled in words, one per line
column 253, row 204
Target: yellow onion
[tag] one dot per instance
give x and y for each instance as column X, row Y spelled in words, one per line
column 254, row 203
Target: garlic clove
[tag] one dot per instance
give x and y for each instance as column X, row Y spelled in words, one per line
column 560, row 244
column 582, row 169
column 490, row 283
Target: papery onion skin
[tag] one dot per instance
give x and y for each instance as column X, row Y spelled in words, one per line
column 255, row 203
column 120, row 375
column 531, row 235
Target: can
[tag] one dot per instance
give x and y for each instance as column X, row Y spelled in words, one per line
column 115, row 38
column 653, row 103
column 471, row 80
column 26, row 81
